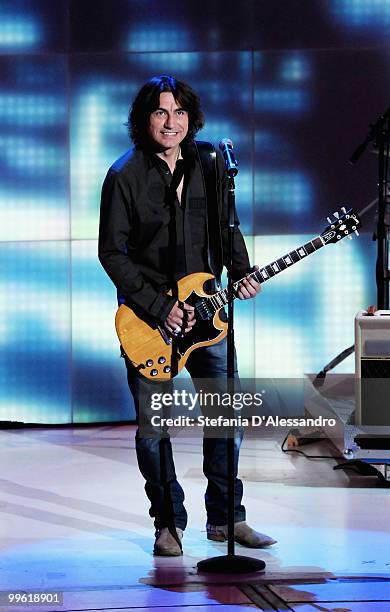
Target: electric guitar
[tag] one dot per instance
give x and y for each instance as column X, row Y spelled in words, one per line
column 157, row 355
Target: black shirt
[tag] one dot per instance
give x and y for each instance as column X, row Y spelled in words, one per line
column 147, row 239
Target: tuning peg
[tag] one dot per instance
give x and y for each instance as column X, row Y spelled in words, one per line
column 349, row 237
column 343, row 209
column 336, row 214
column 357, row 233
column 328, row 220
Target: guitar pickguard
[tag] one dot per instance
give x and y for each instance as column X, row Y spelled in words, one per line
column 203, row 332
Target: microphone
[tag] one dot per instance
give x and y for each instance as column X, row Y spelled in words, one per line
column 226, row 146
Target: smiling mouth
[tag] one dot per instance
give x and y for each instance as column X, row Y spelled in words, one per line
column 169, row 133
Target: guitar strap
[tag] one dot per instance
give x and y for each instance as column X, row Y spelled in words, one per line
column 171, row 199
column 208, row 163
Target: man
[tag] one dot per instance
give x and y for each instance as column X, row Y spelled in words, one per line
column 155, row 228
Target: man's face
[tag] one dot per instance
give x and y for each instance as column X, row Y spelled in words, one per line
column 168, row 124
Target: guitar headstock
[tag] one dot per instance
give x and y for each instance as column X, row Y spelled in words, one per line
column 344, row 224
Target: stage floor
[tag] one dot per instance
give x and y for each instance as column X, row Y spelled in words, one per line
column 74, row 519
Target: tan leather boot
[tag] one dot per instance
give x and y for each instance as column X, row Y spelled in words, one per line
column 243, row 534
column 166, row 545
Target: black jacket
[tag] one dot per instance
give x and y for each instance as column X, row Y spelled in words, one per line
column 135, row 234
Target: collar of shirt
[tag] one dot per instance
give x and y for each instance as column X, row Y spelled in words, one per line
column 188, row 154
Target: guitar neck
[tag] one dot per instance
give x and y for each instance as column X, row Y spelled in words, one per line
column 272, row 269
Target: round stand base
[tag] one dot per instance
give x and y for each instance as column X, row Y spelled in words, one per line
column 231, row 564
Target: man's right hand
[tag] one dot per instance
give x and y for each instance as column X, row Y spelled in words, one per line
column 181, row 319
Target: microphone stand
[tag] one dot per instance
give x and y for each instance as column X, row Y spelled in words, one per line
column 379, row 134
column 382, row 136
column 231, row 563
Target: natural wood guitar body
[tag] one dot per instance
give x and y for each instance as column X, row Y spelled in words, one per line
column 151, row 350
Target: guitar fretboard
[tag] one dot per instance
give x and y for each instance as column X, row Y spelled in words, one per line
column 220, row 299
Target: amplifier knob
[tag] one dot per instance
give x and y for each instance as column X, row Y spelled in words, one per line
column 149, row 363
column 167, row 369
column 161, row 359
column 154, row 372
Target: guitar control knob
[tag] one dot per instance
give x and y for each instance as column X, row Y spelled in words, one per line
column 154, row 372
column 161, row 360
column 149, row 363
column 167, row 369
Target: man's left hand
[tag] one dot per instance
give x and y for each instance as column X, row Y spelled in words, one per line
column 248, row 288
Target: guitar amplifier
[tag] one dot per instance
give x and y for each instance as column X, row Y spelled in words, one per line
column 372, row 368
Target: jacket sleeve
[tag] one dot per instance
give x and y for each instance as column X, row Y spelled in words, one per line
column 114, row 230
column 241, row 265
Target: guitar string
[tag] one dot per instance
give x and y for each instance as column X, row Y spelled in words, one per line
column 257, row 274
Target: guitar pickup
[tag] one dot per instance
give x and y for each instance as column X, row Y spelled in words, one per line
column 203, row 310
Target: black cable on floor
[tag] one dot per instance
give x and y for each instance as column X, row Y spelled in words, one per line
column 295, row 450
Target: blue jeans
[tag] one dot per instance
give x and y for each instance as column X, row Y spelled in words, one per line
column 154, row 452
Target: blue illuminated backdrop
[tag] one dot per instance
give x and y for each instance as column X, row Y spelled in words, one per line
column 294, row 83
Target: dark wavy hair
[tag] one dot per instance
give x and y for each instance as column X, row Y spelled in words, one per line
column 148, row 100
